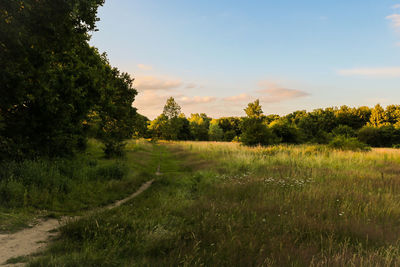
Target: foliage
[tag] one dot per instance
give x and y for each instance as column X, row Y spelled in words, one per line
column 199, row 125
column 140, row 126
column 171, row 109
column 255, row 132
column 348, row 143
column 344, row 130
column 171, row 124
column 318, row 126
column 254, row 110
column 215, row 132
column 384, row 136
column 52, row 79
column 117, row 116
column 286, row 132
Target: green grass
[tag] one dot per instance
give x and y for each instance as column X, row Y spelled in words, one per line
column 221, row 204
column 44, row 187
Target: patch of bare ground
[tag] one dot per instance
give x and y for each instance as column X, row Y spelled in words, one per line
column 33, row 240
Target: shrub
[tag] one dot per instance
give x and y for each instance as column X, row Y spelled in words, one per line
column 286, row 132
column 384, row 136
column 254, row 133
column 348, row 143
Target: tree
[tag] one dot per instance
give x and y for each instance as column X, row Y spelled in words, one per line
column 254, row 131
column 230, row 126
column 199, row 125
column 51, row 78
column 254, row 110
column 378, row 116
column 140, row 125
column 171, row 124
column 117, row 116
column 171, row 108
column 215, row 133
column 285, row 131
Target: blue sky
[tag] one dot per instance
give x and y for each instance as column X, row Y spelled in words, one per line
column 216, row 56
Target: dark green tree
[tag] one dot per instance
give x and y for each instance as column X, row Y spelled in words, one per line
column 254, row 131
column 117, row 116
column 51, row 78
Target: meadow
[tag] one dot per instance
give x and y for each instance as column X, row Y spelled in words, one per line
column 44, row 187
column 221, row 204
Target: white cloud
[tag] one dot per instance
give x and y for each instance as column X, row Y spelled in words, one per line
column 371, row 72
column 270, row 93
column 274, row 93
column 144, row 67
column 196, row 99
column 398, row 44
column 238, row 98
column 396, row 6
column 395, row 18
column 156, row 83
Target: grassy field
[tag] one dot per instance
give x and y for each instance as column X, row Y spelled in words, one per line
column 221, row 204
column 54, row 187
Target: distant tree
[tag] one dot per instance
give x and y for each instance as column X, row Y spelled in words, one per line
column 393, row 114
column 171, row 124
column 378, row 116
column 254, row 109
column 215, row 132
column 157, row 127
column 295, row 117
column 184, row 128
column 171, row 109
column 254, row 131
column 271, row 118
column 199, row 125
column 344, row 130
column 230, row 126
column 285, row 131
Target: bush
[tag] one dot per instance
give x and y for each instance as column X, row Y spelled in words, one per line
column 348, row 143
column 286, row 132
column 384, row 136
column 254, row 133
column 229, row 135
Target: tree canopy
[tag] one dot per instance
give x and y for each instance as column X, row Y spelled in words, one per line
column 52, row 79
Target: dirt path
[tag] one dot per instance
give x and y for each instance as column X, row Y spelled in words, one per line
column 31, row 240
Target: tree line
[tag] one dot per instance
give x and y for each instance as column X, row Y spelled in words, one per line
column 54, row 85
column 377, row 127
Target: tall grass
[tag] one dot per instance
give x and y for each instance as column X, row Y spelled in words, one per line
column 221, row 204
column 65, row 185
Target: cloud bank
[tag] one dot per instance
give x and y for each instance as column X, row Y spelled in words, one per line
column 145, row 83
column 372, row 72
column 395, row 19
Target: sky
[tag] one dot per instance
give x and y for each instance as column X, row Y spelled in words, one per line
column 216, row 56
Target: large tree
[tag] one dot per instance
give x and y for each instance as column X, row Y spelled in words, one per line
column 51, row 78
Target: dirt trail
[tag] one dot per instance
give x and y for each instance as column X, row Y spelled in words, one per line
column 31, row 240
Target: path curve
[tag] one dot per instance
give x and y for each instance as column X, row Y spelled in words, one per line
column 31, row 240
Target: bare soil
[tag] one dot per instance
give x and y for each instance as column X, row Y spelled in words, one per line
column 34, row 239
